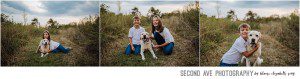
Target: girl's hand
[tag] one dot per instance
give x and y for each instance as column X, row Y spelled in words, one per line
column 132, row 48
column 55, row 47
column 156, row 46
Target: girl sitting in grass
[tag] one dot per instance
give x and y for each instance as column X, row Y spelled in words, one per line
column 55, row 47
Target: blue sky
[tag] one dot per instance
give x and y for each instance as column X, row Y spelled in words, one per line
column 144, row 6
column 262, row 8
column 63, row 12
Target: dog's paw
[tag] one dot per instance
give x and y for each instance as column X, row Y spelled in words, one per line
column 143, row 59
column 155, row 57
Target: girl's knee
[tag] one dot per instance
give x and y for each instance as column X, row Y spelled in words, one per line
column 55, row 51
column 137, row 51
column 167, row 51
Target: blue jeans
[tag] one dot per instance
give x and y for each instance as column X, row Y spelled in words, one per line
column 225, row 64
column 137, row 49
column 168, row 49
column 60, row 48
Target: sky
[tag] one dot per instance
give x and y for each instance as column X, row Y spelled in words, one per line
column 144, row 6
column 262, row 8
column 63, row 12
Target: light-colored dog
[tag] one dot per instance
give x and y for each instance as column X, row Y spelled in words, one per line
column 254, row 38
column 45, row 47
column 146, row 44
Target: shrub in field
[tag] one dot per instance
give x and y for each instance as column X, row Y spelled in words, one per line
column 13, row 37
column 290, row 32
column 211, row 34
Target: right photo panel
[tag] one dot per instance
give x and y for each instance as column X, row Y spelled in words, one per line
column 249, row 33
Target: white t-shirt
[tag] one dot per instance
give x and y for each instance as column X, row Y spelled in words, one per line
column 166, row 34
column 53, row 44
column 234, row 55
column 135, row 34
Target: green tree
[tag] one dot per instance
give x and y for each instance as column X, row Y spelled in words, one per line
column 103, row 8
column 51, row 23
column 251, row 16
column 152, row 12
column 4, row 18
column 35, row 22
column 231, row 14
column 135, row 11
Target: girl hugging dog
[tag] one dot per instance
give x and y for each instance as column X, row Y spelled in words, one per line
column 47, row 45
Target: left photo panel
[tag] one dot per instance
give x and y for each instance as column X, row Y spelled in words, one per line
column 49, row 33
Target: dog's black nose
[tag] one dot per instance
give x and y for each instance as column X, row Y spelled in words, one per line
column 253, row 40
column 144, row 37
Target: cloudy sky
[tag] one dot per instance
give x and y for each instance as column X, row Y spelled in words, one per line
column 144, row 6
column 63, row 12
column 262, row 8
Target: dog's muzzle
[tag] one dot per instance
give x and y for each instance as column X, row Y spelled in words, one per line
column 145, row 38
column 252, row 41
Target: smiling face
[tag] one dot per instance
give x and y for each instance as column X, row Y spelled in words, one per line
column 244, row 32
column 136, row 22
column 155, row 22
column 253, row 37
column 46, row 35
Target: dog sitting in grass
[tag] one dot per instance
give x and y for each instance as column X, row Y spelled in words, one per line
column 45, row 47
column 146, row 44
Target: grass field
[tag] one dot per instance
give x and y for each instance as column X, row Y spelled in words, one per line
column 19, row 44
column 114, row 40
column 218, row 35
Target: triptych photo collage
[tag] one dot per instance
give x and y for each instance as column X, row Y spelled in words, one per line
column 194, row 33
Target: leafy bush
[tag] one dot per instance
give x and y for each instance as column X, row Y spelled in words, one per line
column 13, row 37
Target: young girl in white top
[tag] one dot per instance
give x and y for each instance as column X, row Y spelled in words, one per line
column 54, row 46
column 162, row 36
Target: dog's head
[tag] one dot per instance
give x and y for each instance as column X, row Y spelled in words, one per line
column 145, row 36
column 254, row 37
column 45, row 46
column 45, row 42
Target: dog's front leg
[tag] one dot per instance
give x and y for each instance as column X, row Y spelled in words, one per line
column 258, row 60
column 152, row 52
column 46, row 54
column 42, row 55
column 248, row 64
column 243, row 59
column 142, row 53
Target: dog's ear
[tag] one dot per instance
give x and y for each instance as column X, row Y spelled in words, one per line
column 260, row 36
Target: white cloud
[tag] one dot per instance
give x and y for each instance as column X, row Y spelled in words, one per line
column 143, row 8
column 9, row 9
column 209, row 8
column 35, row 6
